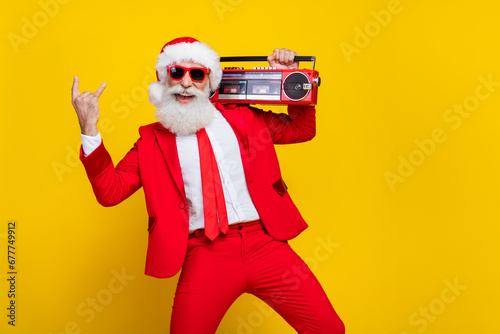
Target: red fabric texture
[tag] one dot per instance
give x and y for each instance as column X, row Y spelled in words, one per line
column 179, row 40
column 248, row 260
column 214, row 206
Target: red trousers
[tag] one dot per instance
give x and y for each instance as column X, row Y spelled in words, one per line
column 247, row 259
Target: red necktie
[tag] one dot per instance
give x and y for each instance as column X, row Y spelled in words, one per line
column 213, row 195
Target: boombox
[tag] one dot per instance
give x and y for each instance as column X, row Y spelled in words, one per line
column 267, row 85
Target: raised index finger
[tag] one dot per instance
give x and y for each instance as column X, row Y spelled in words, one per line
column 99, row 90
column 74, row 88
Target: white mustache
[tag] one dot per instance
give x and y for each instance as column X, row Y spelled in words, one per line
column 193, row 91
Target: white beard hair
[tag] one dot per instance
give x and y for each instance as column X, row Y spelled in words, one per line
column 185, row 119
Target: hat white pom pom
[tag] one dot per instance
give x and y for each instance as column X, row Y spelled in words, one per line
column 155, row 93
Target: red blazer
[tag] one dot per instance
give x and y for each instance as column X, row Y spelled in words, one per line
column 153, row 163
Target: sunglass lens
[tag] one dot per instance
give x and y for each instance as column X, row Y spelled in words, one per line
column 197, row 75
column 176, row 73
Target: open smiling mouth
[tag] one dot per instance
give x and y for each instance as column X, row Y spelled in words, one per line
column 184, row 98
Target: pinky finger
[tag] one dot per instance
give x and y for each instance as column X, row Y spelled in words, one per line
column 99, row 90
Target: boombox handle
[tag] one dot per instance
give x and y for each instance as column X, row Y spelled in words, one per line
column 264, row 58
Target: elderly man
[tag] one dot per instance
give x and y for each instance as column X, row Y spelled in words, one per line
column 217, row 204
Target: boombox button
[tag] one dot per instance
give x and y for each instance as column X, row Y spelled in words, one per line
column 307, row 86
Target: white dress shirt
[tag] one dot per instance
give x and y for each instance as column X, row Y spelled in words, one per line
column 239, row 204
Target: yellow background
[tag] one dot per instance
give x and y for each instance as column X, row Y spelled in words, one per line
column 392, row 249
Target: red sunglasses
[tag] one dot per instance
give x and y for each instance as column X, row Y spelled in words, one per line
column 197, row 74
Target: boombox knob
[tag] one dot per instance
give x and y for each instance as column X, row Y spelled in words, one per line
column 318, row 81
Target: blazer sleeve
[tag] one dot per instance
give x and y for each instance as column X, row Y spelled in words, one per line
column 298, row 126
column 112, row 185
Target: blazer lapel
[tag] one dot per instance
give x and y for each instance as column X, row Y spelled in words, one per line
column 168, row 147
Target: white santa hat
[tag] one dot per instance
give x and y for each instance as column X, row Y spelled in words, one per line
column 184, row 49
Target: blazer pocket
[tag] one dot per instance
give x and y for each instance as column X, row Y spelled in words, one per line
column 280, row 187
column 151, row 223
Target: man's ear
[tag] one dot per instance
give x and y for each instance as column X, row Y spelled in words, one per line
column 208, row 89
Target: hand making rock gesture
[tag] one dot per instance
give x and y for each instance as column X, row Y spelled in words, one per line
column 87, row 107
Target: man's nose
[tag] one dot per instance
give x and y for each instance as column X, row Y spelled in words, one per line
column 186, row 80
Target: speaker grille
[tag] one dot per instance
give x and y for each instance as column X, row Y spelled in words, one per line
column 292, row 86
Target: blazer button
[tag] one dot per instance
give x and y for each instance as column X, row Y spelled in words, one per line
column 182, row 206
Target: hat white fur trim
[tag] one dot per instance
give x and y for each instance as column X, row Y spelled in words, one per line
column 197, row 52
column 155, row 93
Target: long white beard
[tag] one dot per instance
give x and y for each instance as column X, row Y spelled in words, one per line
column 185, row 119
